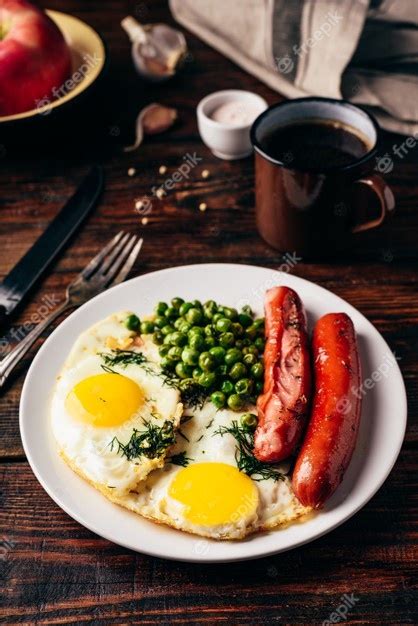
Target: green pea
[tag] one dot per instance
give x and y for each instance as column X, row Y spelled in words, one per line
column 175, row 353
column 232, row 356
column 239, row 344
column 210, row 308
column 178, row 323
column 197, row 342
column 249, row 359
column 207, row 379
column 167, row 363
column 218, row 353
column 167, row 340
column 197, row 304
column 197, row 372
column 245, row 320
column 218, row 399
column 163, row 350
column 222, row 370
column 177, row 302
column 246, row 342
column 194, row 316
column 210, row 342
column 237, row 329
column 161, row 308
column 237, row 371
column 147, row 328
column 158, row 337
column 209, row 330
column 190, row 356
column 171, row 313
column 207, row 362
column 259, row 323
column 184, row 327
column 244, row 386
column 259, row 386
column 186, row 383
column 235, row 402
column 247, row 310
column 186, row 306
column 230, row 313
column 196, row 330
column 216, row 317
column 227, row 387
column 167, row 329
column 133, row 322
column 223, row 325
column 160, row 321
column 183, row 370
column 249, row 421
column 251, row 332
column 250, row 350
column 226, row 340
column 257, row 370
column 179, row 339
column 259, row 344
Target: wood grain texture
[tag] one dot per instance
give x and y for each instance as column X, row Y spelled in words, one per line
column 55, row 571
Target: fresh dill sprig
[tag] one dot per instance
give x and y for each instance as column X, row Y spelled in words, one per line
column 123, row 358
column 244, row 457
column 180, row 459
column 151, row 442
column 193, row 395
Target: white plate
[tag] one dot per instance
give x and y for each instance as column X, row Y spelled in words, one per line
column 381, row 433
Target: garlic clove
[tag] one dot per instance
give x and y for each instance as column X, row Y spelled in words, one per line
column 153, row 119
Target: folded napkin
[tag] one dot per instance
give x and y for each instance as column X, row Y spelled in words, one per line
column 365, row 51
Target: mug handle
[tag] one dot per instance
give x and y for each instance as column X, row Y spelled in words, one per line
column 386, row 199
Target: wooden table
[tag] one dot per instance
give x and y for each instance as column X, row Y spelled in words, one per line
column 54, row 570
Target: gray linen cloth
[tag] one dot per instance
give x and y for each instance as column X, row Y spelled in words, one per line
column 365, row 51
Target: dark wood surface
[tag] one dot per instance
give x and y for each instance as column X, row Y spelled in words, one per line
column 53, row 570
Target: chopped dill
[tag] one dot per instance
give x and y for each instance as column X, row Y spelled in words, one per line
column 192, row 394
column 123, row 358
column 210, row 423
column 150, row 442
column 180, row 459
column 246, row 461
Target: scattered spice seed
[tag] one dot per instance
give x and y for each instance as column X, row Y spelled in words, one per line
column 163, row 169
column 131, row 171
column 203, row 206
column 144, row 221
column 205, row 174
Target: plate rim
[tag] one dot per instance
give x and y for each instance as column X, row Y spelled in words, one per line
column 403, row 412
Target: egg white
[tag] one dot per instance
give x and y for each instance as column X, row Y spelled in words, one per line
column 277, row 505
column 88, row 448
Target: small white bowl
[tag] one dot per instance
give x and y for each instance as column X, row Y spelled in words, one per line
column 225, row 140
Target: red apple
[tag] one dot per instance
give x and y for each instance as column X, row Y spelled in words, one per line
column 34, row 57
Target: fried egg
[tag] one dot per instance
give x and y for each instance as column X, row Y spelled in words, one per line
column 209, row 495
column 99, row 413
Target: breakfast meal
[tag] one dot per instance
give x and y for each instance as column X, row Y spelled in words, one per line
column 35, row 60
column 211, row 420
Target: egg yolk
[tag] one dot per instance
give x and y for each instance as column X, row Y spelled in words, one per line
column 104, row 399
column 214, row 493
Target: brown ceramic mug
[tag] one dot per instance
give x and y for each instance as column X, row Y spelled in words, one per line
column 310, row 207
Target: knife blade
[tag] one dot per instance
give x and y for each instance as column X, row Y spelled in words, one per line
column 18, row 283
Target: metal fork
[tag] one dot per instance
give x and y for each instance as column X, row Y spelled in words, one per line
column 109, row 267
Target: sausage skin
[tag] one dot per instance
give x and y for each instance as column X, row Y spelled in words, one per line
column 332, row 431
column 283, row 406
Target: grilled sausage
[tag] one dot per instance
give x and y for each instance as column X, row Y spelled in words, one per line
column 282, row 408
column 332, row 431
